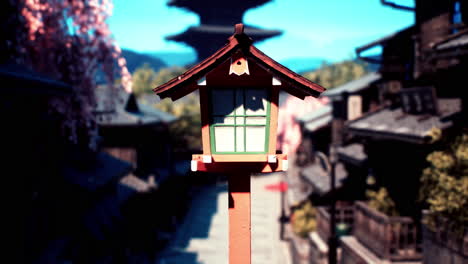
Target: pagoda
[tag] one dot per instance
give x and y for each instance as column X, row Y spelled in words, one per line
column 216, row 21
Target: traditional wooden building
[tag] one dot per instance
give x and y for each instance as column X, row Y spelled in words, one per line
column 351, row 100
column 135, row 132
column 422, row 68
column 60, row 181
column 77, row 201
column 360, row 96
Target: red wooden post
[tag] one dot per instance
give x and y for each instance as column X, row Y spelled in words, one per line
column 239, row 218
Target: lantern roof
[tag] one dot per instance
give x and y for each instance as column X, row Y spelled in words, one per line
column 293, row 83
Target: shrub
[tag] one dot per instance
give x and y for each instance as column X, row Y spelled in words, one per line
column 381, row 201
column 444, row 184
column 303, row 219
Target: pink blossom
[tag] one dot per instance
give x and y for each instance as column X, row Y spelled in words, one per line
column 289, row 131
column 71, row 40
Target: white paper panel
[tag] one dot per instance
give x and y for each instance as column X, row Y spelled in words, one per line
column 224, row 139
column 223, row 101
column 256, row 120
column 240, row 120
column 255, row 101
column 240, row 139
column 354, row 107
column 255, row 139
column 223, row 120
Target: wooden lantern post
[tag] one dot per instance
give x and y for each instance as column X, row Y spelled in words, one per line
column 239, row 89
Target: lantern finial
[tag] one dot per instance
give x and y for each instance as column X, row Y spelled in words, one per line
column 239, row 29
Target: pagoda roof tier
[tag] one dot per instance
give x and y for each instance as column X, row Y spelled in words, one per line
column 202, row 6
column 223, row 30
column 216, row 12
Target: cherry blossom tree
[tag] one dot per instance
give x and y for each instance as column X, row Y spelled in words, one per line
column 69, row 40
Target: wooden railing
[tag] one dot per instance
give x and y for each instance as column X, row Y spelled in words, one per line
column 344, row 215
column 391, row 238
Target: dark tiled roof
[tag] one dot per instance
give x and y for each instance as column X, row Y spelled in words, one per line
column 352, row 153
column 456, row 40
column 296, row 84
column 409, row 31
column 119, row 108
column 323, row 116
column 18, row 78
column 320, row 179
column 354, row 86
column 454, row 43
column 317, row 119
column 396, row 124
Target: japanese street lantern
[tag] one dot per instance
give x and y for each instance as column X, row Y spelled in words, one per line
column 239, row 89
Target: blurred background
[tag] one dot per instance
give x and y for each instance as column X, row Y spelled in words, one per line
column 378, row 164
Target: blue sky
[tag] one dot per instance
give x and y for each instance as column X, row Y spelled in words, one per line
column 311, row 28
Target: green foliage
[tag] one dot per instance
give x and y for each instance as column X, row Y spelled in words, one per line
column 145, row 78
column 435, row 134
column 333, row 75
column 186, row 131
column 304, row 219
column 381, row 201
column 444, row 184
column 166, row 74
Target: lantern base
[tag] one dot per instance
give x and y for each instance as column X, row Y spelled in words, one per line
column 249, row 163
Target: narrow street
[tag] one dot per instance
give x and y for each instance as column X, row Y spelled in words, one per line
column 203, row 237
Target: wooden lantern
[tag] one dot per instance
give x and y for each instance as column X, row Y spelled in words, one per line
column 239, row 89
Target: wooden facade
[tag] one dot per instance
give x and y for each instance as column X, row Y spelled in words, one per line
column 134, row 132
column 422, row 72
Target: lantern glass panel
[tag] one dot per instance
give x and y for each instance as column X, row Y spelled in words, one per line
column 240, row 102
column 223, row 120
column 223, row 103
column 256, row 101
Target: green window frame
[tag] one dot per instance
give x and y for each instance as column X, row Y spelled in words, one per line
column 241, row 119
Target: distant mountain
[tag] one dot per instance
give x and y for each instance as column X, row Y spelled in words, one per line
column 301, row 65
column 135, row 60
column 175, row 58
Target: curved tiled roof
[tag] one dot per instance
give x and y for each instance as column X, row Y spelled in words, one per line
column 355, row 85
column 395, row 124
